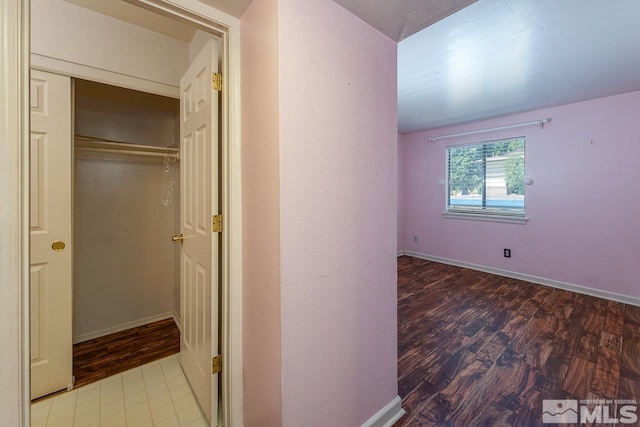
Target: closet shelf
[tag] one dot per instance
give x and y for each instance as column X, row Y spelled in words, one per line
column 89, row 144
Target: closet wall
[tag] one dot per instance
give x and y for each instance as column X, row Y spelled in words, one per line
column 125, row 266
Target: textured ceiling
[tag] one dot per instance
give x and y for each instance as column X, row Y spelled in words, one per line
column 399, row 19
column 499, row 57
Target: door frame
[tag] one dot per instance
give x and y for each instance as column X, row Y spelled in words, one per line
column 14, row 191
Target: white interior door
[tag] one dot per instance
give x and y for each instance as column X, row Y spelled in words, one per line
column 51, row 346
column 199, row 201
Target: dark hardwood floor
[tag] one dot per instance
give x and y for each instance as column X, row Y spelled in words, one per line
column 475, row 349
column 109, row 355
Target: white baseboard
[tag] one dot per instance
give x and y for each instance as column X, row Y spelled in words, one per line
column 625, row 299
column 122, row 327
column 387, row 416
column 401, row 253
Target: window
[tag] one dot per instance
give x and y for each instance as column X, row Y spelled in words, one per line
column 486, row 180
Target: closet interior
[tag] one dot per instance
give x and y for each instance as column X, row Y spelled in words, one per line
column 125, row 210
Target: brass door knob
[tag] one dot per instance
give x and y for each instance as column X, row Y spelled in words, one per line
column 178, row 238
column 58, row 246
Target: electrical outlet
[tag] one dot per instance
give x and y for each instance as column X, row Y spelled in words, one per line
column 507, row 253
column 415, row 239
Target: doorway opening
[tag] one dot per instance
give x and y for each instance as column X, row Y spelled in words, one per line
column 89, row 142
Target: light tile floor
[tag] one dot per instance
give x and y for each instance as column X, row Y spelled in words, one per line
column 156, row 394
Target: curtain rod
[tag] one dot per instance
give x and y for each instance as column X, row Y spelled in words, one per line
column 473, row 132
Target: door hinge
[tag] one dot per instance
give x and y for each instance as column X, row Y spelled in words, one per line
column 216, row 81
column 217, row 225
column 216, row 364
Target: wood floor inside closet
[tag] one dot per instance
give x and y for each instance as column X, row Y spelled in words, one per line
column 112, row 354
column 475, row 349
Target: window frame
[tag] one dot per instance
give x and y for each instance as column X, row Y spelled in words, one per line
column 483, row 213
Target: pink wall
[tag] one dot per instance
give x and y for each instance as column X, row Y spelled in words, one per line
column 583, row 206
column 262, row 391
column 319, row 194
column 338, row 160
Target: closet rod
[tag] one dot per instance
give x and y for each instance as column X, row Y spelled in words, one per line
column 106, row 146
column 132, row 152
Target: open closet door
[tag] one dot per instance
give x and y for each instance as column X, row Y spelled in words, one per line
column 198, row 203
column 51, row 345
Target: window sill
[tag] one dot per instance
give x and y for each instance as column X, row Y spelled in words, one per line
column 483, row 217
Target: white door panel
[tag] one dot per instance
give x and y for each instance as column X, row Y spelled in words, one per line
column 51, row 346
column 199, row 201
